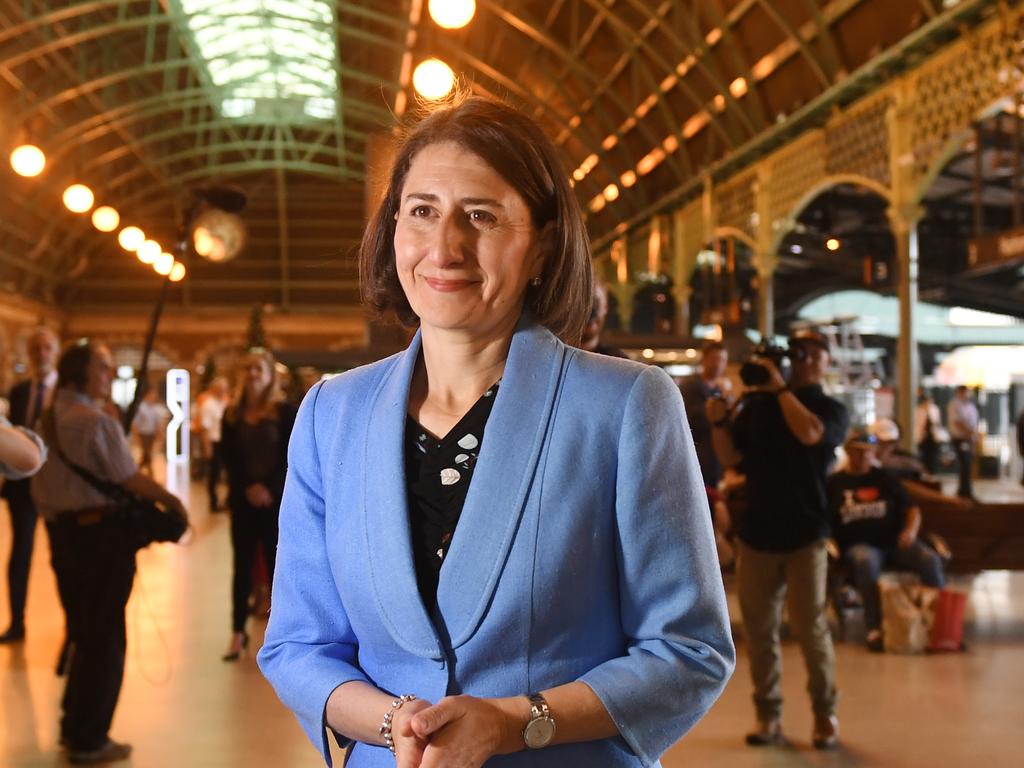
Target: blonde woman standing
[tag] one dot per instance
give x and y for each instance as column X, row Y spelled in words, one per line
column 254, row 439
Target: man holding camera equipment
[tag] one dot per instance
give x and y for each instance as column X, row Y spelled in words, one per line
column 783, row 438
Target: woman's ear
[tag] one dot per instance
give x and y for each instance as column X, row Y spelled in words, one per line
column 545, row 247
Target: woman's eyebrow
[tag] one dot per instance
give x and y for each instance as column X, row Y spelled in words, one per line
column 489, row 201
column 431, row 198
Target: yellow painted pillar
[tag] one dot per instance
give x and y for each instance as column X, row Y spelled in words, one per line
column 623, row 287
column 904, row 213
column 765, row 257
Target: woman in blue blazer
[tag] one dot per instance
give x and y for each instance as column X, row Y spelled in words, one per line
column 575, row 614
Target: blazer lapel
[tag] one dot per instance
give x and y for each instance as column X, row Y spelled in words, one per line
column 504, row 472
column 386, row 513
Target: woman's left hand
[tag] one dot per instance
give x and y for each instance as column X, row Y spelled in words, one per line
column 462, row 732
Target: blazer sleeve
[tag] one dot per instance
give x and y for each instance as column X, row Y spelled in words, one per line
column 672, row 602
column 310, row 648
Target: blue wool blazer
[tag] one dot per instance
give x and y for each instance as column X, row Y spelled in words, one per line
column 584, row 552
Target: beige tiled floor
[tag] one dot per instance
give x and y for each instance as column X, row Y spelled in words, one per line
column 181, row 706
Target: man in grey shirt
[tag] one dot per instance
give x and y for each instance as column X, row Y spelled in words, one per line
column 962, row 416
column 94, row 560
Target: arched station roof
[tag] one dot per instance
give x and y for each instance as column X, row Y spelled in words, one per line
column 148, row 100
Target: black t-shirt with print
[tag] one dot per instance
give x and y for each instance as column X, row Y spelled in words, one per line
column 787, row 507
column 867, row 509
column 438, row 473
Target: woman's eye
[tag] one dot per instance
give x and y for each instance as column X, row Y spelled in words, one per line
column 420, row 210
column 482, row 217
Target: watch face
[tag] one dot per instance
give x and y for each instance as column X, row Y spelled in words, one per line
column 539, row 732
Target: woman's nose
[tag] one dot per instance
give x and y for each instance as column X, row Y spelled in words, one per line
column 450, row 242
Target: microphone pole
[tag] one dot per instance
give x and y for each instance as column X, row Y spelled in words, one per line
column 154, row 321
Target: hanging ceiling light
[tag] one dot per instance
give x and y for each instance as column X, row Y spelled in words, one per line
column 149, row 251
column 105, row 218
column 177, row 272
column 131, row 238
column 78, row 198
column 452, row 14
column 164, row 264
column 832, row 244
column 28, row 160
column 218, row 235
column 433, row 79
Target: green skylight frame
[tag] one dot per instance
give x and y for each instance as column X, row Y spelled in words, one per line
column 270, row 61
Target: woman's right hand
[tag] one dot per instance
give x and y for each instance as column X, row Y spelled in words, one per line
column 408, row 746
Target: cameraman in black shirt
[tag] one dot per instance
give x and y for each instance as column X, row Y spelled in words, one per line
column 783, row 438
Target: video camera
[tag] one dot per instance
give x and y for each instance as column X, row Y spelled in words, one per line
column 754, row 375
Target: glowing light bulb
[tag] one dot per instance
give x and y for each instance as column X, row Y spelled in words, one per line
column 131, row 238
column 177, row 272
column 105, row 218
column 832, row 244
column 202, row 241
column 78, row 198
column 28, row 160
column 149, row 251
column 452, row 14
column 433, row 79
column 164, row 264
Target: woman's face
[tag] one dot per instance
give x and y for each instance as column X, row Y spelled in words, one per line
column 100, row 374
column 465, row 245
column 257, row 374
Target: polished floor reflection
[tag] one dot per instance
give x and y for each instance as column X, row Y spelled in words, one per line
column 182, row 706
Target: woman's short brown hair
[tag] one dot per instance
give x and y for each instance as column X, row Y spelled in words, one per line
column 519, row 151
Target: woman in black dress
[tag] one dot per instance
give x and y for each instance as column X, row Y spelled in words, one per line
column 254, row 438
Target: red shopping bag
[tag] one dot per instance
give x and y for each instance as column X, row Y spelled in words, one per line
column 947, row 632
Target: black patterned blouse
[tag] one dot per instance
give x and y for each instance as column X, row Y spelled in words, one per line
column 438, row 473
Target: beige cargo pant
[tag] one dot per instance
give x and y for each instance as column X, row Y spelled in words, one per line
column 764, row 581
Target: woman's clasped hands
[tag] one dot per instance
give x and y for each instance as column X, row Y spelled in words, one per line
column 457, row 732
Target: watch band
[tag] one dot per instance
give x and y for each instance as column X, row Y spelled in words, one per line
column 538, row 706
column 540, row 729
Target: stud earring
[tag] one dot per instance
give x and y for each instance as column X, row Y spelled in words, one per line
column 535, row 282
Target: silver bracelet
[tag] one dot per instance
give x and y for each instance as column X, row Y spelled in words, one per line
column 385, row 727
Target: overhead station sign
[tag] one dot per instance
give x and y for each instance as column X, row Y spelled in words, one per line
column 1006, row 249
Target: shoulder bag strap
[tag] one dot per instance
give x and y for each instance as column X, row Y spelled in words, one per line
column 109, row 489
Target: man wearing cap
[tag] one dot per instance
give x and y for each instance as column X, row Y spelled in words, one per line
column 783, row 438
column 875, row 523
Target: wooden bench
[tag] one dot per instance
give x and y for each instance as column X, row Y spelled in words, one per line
column 984, row 537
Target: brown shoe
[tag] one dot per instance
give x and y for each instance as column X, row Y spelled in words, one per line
column 826, row 732
column 768, row 732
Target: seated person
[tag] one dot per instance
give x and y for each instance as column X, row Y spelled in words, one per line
column 922, row 487
column 890, row 456
column 875, row 524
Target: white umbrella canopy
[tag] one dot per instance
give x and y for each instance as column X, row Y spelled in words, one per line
column 990, row 367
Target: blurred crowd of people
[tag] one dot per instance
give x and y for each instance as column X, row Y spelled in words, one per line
column 67, row 458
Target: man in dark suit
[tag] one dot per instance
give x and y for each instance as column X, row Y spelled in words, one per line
column 28, row 400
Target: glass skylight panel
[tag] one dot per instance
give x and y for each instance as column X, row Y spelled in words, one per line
column 266, row 57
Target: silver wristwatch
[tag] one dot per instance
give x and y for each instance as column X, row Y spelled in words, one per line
column 541, row 728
